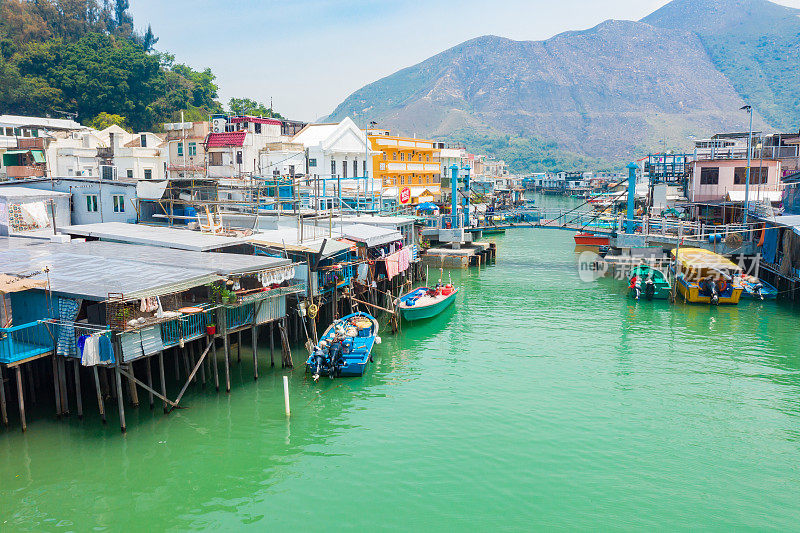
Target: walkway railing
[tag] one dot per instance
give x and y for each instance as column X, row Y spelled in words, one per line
column 24, row 341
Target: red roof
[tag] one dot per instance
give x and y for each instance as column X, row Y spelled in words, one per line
column 255, row 120
column 232, row 138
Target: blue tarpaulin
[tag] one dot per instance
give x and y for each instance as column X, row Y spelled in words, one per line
column 427, row 206
column 770, row 248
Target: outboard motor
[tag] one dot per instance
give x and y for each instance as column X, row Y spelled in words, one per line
column 714, row 292
column 649, row 289
column 757, row 288
column 321, row 363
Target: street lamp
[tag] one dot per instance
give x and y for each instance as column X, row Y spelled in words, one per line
column 749, row 110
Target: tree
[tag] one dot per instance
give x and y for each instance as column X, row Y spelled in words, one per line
column 246, row 106
column 149, row 40
column 104, row 120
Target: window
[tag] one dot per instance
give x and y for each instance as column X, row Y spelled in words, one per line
column 180, row 149
column 709, row 176
column 238, row 157
column 143, row 141
column 148, row 173
column 257, row 127
column 215, row 159
column 312, row 162
column 364, row 167
column 192, row 148
column 333, row 167
column 119, row 203
column 91, row 203
column 402, row 156
column 428, row 158
column 394, row 156
column 344, row 169
column 130, row 173
column 756, row 175
column 384, row 156
column 402, row 180
column 355, row 168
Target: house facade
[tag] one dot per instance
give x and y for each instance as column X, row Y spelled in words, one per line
column 715, row 180
column 409, row 168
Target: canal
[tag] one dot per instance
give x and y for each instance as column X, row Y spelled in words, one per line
column 538, row 401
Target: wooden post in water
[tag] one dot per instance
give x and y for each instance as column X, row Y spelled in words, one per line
column 226, row 343
column 216, row 361
column 272, row 343
column 21, row 398
column 254, row 331
column 120, row 400
column 161, row 378
column 78, row 399
column 62, row 386
column 100, row 406
column 149, row 381
column 177, row 365
column 56, row 392
column 239, row 347
column 132, row 388
column 3, row 408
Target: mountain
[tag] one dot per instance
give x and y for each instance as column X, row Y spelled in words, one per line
column 602, row 95
column 755, row 43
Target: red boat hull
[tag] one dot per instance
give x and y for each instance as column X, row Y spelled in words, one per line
column 587, row 239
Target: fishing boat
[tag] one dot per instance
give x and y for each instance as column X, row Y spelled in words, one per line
column 425, row 302
column 591, row 239
column 707, row 277
column 345, row 348
column 757, row 289
column 646, row 282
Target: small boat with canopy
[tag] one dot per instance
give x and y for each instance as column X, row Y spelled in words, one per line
column 706, row 277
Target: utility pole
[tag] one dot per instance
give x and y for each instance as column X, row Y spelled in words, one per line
column 749, row 110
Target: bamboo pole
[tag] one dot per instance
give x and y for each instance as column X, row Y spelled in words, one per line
column 62, row 386
column 132, row 387
column 226, row 342
column 216, row 361
column 272, row 344
column 254, row 332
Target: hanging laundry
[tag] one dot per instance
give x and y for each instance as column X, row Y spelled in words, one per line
column 106, row 349
column 90, row 355
column 67, row 313
column 363, row 271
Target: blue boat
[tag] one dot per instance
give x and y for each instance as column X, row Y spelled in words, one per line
column 425, row 302
column 757, row 289
column 345, row 348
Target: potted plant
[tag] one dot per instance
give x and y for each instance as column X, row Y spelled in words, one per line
column 211, row 329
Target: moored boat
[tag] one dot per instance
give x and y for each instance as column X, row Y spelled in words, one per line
column 707, row 277
column 646, row 282
column 345, row 348
column 425, row 302
column 757, row 289
column 591, row 239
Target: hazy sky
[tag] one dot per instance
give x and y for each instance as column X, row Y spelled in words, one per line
column 309, row 55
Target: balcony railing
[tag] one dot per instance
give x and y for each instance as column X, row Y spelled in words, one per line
column 21, row 342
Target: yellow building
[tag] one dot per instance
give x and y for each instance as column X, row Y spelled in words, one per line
column 406, row 164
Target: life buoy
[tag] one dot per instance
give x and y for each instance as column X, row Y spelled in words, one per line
column 723, row 284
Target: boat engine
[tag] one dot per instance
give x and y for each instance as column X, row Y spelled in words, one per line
column 649, row 289
column 757, row 290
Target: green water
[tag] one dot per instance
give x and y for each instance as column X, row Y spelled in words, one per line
column 537, row 402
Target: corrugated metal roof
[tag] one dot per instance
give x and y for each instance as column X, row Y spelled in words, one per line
column 370, row 235
column 232, row 138
column 181, row 239
column 93, row 277
column 221, row 263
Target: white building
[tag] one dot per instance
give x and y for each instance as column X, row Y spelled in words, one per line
column 235, row 144
column 338, row 160
column 132, row 156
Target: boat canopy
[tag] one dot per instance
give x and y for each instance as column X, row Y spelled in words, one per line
column 698, row 263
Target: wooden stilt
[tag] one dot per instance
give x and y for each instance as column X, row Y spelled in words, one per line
column 78, row 399
column 31, row 384
column 132, row 388
column 120, row 401
column 216, row 362
column 161, row 378
column 21, row 398
column 272, row 344
column 254, row 331
column 239, row 347
column 149, row 381
column 185, row 357
column 100, row 406
column 202, row 369
column 177, row 365
column 227, row 362
column 3, row 408
column 62, row 386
